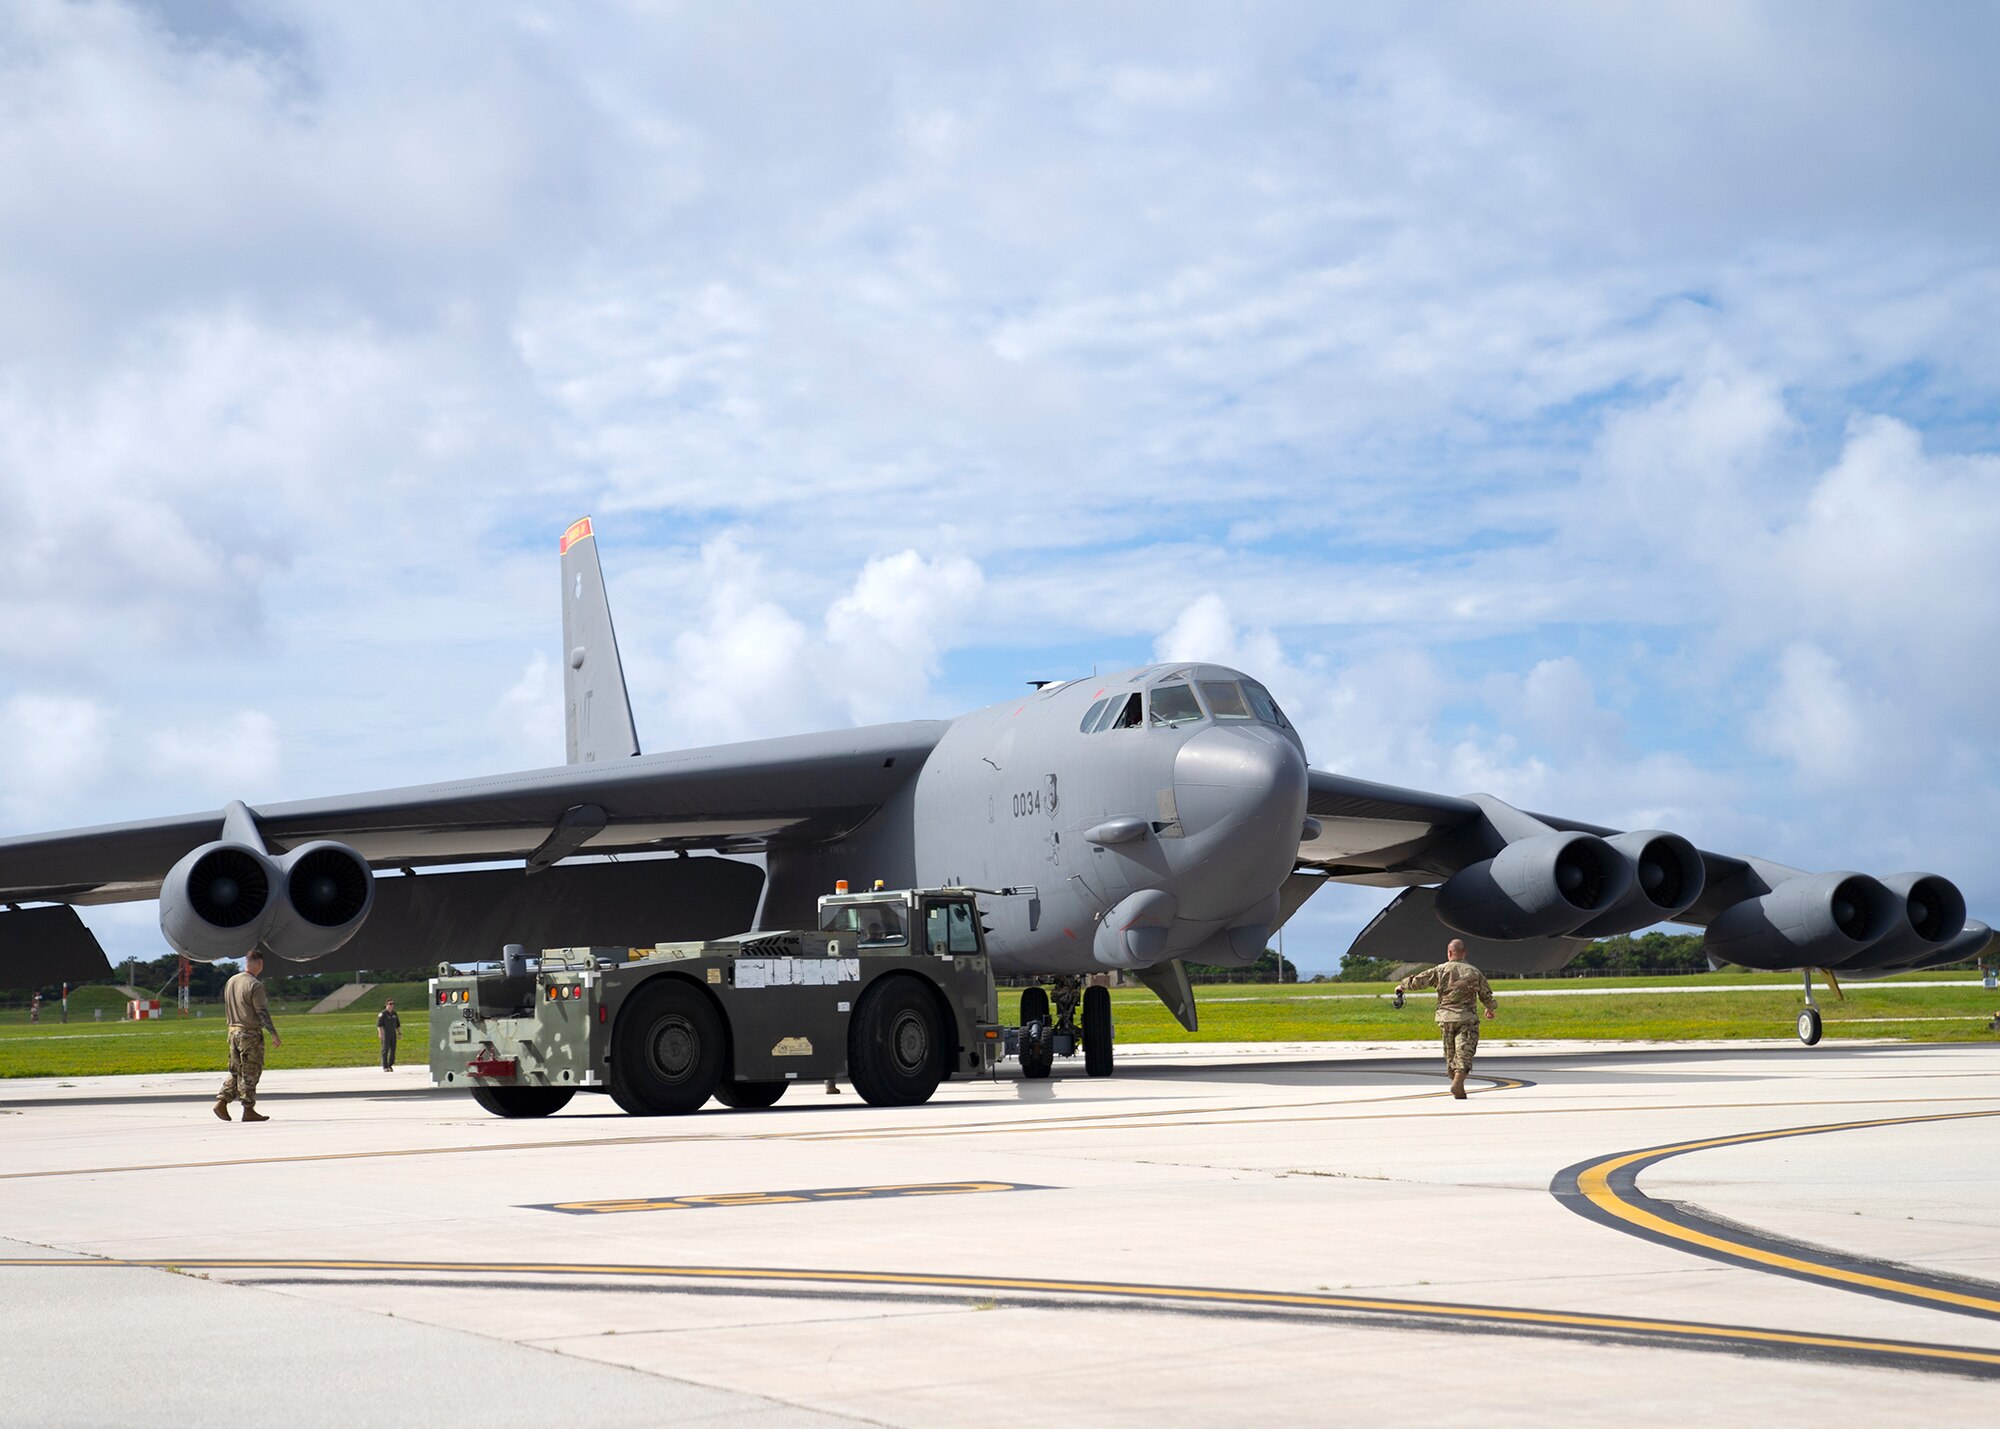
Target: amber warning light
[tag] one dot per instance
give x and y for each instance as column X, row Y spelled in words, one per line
column 840, row 885
column 578, row 530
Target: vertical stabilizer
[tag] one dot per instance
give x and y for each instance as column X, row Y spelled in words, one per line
column 597, row 711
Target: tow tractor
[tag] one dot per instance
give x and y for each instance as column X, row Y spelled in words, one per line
column 893, row 991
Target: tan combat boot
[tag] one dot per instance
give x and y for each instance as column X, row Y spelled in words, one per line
column 222, row 1110
column 1457, row 1088
column 252, row 1115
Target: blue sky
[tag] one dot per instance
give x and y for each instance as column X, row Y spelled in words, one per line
column 1590, row 404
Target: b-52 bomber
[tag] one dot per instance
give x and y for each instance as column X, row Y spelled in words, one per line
column 1137, row 821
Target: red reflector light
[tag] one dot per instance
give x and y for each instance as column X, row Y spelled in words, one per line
column 492, row 1067
column 602, row 1013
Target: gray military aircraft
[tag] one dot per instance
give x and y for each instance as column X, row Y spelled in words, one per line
column 1135, row 821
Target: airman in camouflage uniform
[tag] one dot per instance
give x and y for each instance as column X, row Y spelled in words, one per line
column 1459, row 986
column 249, row 1016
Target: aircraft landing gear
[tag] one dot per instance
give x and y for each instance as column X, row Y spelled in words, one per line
column 1041, row 1038
column 1097, row 1036
column 1809, row 1020
column 1038, row 1043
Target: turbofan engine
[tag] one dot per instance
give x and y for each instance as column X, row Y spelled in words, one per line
column 1536, row 887
column 1933, row 917
column 1667, row 877
column 225, row 898
column 1818, row 920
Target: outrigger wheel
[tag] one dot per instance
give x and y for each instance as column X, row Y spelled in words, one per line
column 1809, row 1025
column 1097, row 1031
column 1036, row 1060
column 748, row 1096
column 523, row 1101
column 668, row 1050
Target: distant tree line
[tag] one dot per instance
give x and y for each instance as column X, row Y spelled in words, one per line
column 1645, row 955
column 1265, row 969
column 160, row 977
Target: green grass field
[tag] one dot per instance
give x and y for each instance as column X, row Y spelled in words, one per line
column 1317, row 1012
column 196, row 1044
column 1241, row 1012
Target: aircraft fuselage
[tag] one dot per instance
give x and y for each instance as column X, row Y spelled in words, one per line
column 1165, row 836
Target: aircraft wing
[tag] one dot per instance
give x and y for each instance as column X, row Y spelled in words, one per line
column 738, row 798
column 1379, row 833
column 1758, row 912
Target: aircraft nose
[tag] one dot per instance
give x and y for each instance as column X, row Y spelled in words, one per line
column 1240, row 794
column 1250, row 757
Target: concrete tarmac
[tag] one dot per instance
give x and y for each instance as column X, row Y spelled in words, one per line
column 1301, row 1234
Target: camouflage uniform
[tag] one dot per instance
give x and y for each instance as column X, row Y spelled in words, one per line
column 249, row 1016
column 1460, row 988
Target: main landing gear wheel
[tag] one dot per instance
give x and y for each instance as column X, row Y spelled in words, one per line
column 1037, row 1060
column 1809, row 1026
column 1097, row 1031
column 523, row 1101
column 895, row 1044
column 668, row 1050
column 748, row 1096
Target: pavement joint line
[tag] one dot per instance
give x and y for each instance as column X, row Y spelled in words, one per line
column 896, row 1133
column 1605, row 1190
column 1905, row 1354
column 1088, row 1122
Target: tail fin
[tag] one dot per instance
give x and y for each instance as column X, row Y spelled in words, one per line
column 597, row 709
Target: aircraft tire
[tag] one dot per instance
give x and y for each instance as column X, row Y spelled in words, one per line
column 668, row 1051
column 748, row 1096
column 514, row 1102
column 1810, row 1026
column 1035, row 1008
column 896, row 1044
column 1097, row 1035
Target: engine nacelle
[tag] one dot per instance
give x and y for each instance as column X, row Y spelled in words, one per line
column 325, row 892
column 1974, row 941
column 1819, row 920
column 1933, row 919
column 219, row 900
column 1535, row 887
column 1667, row 877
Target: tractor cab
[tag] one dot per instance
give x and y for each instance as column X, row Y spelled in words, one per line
column 941, row 922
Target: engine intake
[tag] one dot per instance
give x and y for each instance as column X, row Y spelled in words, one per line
column 1820, row 920
column 328, row 892
column 217, row 901
column 1536, row 887
column 1933, row 916
column 1667, row 877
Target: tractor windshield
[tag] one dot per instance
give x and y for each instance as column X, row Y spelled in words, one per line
column 881, row 924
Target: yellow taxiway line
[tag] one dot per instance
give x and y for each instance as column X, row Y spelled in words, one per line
column 1908, row 1354
column 1607, row 1191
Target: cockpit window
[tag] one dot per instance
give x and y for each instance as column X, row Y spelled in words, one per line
column 1174, row 704
column 1090, row 716
column 1266, row 707
column 1225, row 700
column 871, row 925
column 1120, row 714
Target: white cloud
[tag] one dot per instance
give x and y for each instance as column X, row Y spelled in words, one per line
column 1812, row 720
column 50, row 747
column 1509, row 406
column 748, row 667
column 241, row 755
